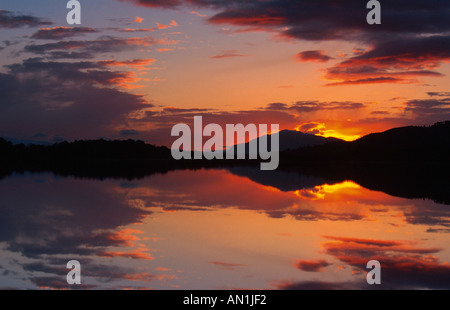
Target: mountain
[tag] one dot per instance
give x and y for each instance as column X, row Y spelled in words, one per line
column 291, row 140
column 404, row 144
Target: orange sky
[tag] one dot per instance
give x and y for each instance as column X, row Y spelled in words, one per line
column 170, row 61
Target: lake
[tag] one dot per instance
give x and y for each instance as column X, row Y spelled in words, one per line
column 234, row 228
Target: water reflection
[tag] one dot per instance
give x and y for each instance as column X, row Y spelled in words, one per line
column 217, row 229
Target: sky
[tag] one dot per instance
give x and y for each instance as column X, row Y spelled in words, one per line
column 134, row 68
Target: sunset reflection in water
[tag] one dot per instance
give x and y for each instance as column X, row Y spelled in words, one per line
column 216, row 229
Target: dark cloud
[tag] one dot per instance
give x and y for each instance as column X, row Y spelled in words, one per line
column 317, row 285
column 69, row 55
column 314, row 56
column 16, row 20
column 369, row 81
column 180, row 110
column 157, row 3
column 56, row 218
column 439, row 94
column 399, row 61
column 104, row 44
column 429, row 110
column 314, row 106
column 324, row 19
column 70, row 99
column 312, row 265
column 411, row 40
column 57, row 33
column 55, row 274
column 277, row 106
column 404, row 264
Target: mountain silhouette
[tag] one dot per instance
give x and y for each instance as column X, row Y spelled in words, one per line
column 413, row 144
column 288, row 140
column 420, row 144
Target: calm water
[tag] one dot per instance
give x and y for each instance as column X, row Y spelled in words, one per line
column 217, row 229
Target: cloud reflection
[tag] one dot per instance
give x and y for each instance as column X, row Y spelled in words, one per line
column 95, row 221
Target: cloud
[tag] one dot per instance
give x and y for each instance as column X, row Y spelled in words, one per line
column 316, row 285
column 156, row 3
column 163, row 120
column 162, row 26
column 57, row 33
column 314, row 106
column 16, row 20
column 429, row 110
column 411, row 42
column 318, row 129
column 57, row 283
column 312, row 265
column 105, row 44
column 227, row 266
column 287, row 116
column 228, row 54
column 55, row 274
column 319, row 20
column 399, row 61
column 198, row 14
column 68, row 55
column 191, row 110
column 372, row 81
column 439, row 94
column 140, row 64
column 404, row 265
column 71, row 99
column 135, row 29
column 132, row 254
column 314, row 56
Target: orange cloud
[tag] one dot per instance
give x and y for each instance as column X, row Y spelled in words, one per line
column 136, row 63
column 172, row 24
column 198, row 14
column 138, row 254
column 125, row 236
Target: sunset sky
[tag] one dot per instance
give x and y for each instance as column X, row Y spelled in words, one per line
column 135, row 68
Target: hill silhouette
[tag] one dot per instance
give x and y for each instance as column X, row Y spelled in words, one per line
column 420, row 144
column 425, row 144
column 291, row 140
column 407, row 147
